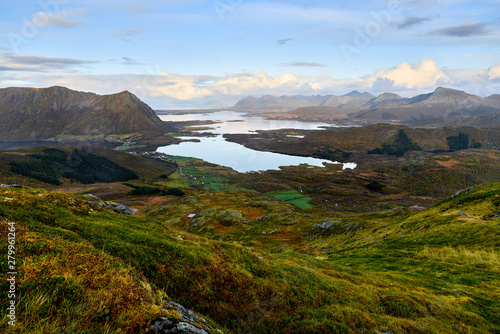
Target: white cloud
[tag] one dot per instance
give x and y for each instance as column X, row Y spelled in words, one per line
column 174, row 89
column 62, row 19
column 423, row 74
column 494, row 72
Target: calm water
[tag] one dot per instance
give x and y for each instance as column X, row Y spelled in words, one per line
column 221, row 152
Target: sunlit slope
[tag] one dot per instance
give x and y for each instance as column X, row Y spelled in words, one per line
column 439, row 278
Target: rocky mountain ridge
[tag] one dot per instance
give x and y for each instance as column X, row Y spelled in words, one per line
column 440, row 105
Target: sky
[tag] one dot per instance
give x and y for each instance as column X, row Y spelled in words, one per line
column 196, row 53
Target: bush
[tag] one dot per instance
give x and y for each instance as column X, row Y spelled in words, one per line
column 333, row 155
column 375, row 186
column 138, row 191
column 175, row 192
column 460, row 142
column 401, row 144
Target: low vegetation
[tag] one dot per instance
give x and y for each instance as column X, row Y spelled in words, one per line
column 428, row 271
column 77, row 165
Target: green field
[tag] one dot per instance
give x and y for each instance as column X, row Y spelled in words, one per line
column 294, row 197
column 181, row 158
column 125, row 147
column 302, row 202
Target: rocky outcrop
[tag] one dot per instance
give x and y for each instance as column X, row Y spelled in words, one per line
column 188, row 322
column 120, row 208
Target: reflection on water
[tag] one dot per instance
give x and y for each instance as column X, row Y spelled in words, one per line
column 221, row 152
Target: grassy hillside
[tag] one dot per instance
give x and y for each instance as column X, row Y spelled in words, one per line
column 84, row 268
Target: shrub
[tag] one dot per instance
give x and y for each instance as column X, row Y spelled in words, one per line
column 146, row 191
column 375, row 186
column 460, row 142
column 401, row 144
column 175, row 192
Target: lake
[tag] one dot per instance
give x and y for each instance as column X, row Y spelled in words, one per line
column 221, row 152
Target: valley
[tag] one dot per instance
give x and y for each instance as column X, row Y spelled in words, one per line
column 395, row 229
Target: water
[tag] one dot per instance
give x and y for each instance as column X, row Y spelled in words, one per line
column 221, row 152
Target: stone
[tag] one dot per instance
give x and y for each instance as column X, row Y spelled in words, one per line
column 165, row 325
column 189, row 322
column 91, row 196
column 119, row 208
column 461, row 213
column 96, row 203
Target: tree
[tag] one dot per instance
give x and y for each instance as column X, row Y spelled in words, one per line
column 401, row 144
column 460, row 142
column 375, row 186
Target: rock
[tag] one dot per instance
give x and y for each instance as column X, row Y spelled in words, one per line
column 173, row 326
column 91, row 196
column 461, row 213
column 190, row 323
column 119, row 208
column 96, row 203
column 442, row 210
column 457, row 193
column 324, row 226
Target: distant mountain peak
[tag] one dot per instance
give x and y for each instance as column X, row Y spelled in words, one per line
column 358, row 94
column 444, row 90
column 387, row 96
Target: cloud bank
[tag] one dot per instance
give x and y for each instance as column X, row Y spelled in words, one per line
column 170, row 89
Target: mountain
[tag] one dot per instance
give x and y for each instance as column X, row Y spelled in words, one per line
column 281, row 103
column 285, row 103
column 442, row 107
column 32, row 113
column 443, row 103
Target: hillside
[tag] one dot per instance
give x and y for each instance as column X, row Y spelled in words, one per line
column 58, row 112
column 81, row 267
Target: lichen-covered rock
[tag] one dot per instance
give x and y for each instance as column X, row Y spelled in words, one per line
column 165, row 325
column 119, row 208
column 189, row 322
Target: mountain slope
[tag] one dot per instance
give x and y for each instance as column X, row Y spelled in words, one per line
column 31, row 113
column 399, row 271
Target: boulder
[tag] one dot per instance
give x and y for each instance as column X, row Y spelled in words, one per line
column 165, row 325
column 189, row 322
column 119, row 208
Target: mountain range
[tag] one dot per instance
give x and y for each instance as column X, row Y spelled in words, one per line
column 443, row 106
column 47, row 113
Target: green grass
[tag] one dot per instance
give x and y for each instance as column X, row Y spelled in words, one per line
column 175, row 180
column 181, row 158
column 302, row 202
column 294, row 197
column 442, row 279
column 125, row 147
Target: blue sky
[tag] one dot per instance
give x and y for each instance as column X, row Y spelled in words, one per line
column 191, row 53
